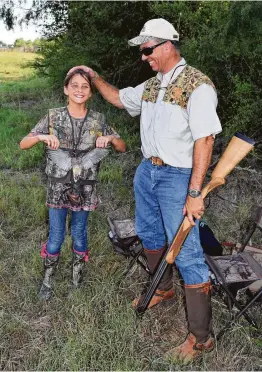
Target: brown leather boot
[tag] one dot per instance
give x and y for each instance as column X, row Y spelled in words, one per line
column 199, row 340
column 164, row 290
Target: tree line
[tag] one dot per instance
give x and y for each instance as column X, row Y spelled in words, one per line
column 23, row 44
column 18, row 43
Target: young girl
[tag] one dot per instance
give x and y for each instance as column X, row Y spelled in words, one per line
column 77, row 139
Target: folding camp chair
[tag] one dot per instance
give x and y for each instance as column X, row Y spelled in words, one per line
column 126, row 242
column 232, row 273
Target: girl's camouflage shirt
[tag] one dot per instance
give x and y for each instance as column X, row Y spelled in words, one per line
column 63, row 162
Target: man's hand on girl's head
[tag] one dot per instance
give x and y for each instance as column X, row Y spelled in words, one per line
column 88, row 70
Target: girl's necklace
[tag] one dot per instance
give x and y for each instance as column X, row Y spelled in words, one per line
column 76, row 142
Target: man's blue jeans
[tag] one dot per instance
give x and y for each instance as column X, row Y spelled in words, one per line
column 160, row 193
column 57, row 230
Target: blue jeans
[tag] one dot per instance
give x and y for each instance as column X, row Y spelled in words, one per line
column 160, row 193
column 57, row 230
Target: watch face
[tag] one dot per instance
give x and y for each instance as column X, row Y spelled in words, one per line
column 194, row 193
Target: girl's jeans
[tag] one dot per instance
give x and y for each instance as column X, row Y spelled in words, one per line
column 57, row 230
column 160, row 193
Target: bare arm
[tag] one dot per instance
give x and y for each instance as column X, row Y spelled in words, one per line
column 203, row 147
column 201, row 160
column 30, row 140
column 109, row 92
column 119, row 144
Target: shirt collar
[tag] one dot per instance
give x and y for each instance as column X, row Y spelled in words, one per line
column 165, row 78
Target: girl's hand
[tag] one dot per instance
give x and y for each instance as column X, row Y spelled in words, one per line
column 104, row 141
column 50, row 140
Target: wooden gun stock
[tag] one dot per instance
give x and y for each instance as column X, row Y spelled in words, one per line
column 237, row 149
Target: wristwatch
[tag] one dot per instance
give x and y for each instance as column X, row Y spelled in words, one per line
column 194, row 193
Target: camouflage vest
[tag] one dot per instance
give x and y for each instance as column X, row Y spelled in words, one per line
column 65, row 165
column 179, row 90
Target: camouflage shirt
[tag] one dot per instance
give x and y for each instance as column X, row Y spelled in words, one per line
column 81, row 165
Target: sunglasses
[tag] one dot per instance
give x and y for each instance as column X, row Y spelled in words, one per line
column 149, row 50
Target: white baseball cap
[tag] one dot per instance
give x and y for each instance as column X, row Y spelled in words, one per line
column 155, row 28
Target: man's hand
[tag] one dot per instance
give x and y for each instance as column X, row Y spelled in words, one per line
column 88, row 70
column 104, row 141
column 194, row 208
column 51, row 140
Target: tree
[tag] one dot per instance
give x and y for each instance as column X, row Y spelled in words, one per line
column 19, row 43
column 37, row 42
column 7, row 13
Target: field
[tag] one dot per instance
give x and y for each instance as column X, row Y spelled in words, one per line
column 13, row 65
column 93, row 327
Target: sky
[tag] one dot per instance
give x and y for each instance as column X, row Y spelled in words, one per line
column 26, row 33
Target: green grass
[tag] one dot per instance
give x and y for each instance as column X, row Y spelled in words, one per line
column 14, row 65
column 19, row 195
column 94, row 327
column 32, row 89
column 14, row 125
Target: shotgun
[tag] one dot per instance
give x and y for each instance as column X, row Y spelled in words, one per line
column 236, row 150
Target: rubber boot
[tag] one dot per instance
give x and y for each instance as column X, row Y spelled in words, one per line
column 78, row 263
column 164, row 290
column 50, row 265
column 199, row 312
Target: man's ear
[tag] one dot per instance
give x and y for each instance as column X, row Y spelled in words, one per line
column 170, row 45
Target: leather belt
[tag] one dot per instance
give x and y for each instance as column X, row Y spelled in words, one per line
column 156, row 161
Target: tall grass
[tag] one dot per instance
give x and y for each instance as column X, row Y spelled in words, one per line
column 94, row 327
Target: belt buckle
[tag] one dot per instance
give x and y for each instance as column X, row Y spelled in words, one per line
column 157, row 161
column 153, row 160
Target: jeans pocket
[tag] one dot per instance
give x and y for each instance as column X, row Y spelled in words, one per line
column 186, row 171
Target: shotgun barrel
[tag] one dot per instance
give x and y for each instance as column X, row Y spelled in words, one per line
column 141, row 307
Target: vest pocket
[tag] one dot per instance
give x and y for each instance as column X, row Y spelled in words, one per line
column 176, row 96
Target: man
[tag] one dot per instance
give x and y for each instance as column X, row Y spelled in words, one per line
column 178, row 125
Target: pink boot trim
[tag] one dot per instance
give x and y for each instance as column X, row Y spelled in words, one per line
column 80, row 253
column 44, row 253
